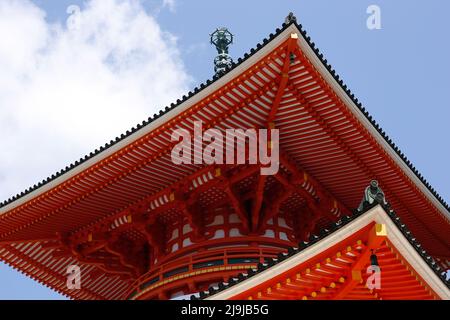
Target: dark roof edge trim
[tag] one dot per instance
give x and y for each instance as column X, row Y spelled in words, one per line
column 291, row 20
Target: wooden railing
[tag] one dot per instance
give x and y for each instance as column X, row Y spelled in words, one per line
column 191, row 260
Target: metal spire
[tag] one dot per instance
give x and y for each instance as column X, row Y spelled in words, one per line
column 221, row 39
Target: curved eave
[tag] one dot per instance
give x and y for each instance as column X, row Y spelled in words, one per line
column 210, row 86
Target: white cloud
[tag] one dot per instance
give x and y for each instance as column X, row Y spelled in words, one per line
column 65, row 90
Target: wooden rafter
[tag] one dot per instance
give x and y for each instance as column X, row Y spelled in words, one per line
column 259, row 191
column 376, row 237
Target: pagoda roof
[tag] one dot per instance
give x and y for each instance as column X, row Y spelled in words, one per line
column 345, row 148
column 324, row 266
column 211, row 82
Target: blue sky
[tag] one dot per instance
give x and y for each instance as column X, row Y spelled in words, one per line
column 400, row 73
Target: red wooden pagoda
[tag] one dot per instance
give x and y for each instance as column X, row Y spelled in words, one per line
column 141, row 227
